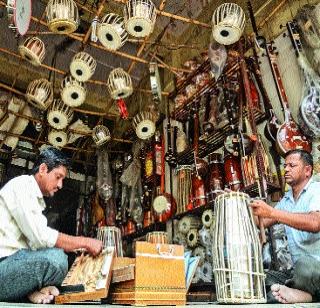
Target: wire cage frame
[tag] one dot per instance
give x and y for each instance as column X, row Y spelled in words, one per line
column 33, row 50
column 119, row 84
column 62, row 16
column 140, row 17
column 237, row 252
column 82, row 66
column 111, row 31
column 228, row 21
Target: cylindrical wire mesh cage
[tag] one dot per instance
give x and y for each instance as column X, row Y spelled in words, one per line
column 40, row 93
column 237, row 252
column 82, row 66
column 111, row 237
column 119, row 84
column 33, row 50
column 228, row 22
column 62, row 16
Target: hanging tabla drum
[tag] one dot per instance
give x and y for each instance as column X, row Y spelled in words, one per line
column 144, row 123
column 101, row 135
column 60, row 115
column 82, row 66
column 228, row 21
column 111, row 31
column 62, row 16
column 119, row 84
column 33, row 50
column 140, row 17
column 73, row 92
column 40, row 93
column 58, row 138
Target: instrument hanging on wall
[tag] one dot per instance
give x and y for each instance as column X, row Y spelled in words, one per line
column 140, row 17
column 228, row 22
column 184, row 189
column 62, row 16
column 309, row 110
column 19, row 15
column 101, row 135
column 216, row 175
column 155, row 81
column 82, row 66
column 60, row 115
column 119, row 84
column 33, row 50
column 144, row 124
column 73, row 92
column 289, row 136
column 40, row 93
column 58, row 138
column 232, row 172
column 111, row 31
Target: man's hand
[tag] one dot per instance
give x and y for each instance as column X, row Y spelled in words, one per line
column 261, row 209
column 93, row 246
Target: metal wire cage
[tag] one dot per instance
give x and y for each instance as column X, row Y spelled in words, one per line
column 237, row 252
column 140, row 17
column 111, row 31
column 119, row 84
column 101, row 135
column 33, row 50
column 82, row 66
column 228, row 22
column 40, row 93
column 62, row 16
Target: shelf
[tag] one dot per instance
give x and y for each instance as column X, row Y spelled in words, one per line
column 253, row 190
column 195, row 211
column 158, row 226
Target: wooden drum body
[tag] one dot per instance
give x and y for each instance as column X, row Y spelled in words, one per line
column 58, row 138
column 60, row 115
column 111, row 31
column 216, row 175
column 40, row 93
column 62, row 16
column 82, row 66
column 184, row 175
column 73, row 92
column 33, row 50
column 111, row 237
column 237, row 252
column 233, row 174
column 101, row 135
column 144, row 123
column 119, row 84
column 157, row 237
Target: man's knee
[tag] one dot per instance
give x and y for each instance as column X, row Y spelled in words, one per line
column 57, row 258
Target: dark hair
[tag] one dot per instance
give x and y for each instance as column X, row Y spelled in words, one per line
column 52, row 157
column 305, row 156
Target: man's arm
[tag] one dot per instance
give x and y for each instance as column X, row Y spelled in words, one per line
column 70, row 243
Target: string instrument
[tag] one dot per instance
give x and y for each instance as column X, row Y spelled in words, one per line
column 155, row 82
column 289, row 136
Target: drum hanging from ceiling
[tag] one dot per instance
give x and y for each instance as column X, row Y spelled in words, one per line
column 228, row 21
column 101, row 135
column 73, row 92
column 144, row 123
column 60, row 115
column 82, row 66
column 119, row 84
column 111, row 31
column 62, row 16
column 58, row 138
column 40, row 93
column 33, row 50
column 140, row 17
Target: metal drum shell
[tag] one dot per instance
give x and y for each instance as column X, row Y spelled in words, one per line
column 101, row 135
column 144, row 124
column 73, row 92
column 57, row 138
column 119, row 84
column 111, row 31
column 40, row 93
column 33, row 50
column 82, row 66
column 62, row 16
column 60, row 115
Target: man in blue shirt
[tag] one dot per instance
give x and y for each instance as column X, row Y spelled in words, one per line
column 299, row 211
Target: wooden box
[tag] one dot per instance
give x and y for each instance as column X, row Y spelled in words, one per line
column 159, row 277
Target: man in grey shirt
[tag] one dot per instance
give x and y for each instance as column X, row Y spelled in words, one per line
column 299, row 211
column 32, row 258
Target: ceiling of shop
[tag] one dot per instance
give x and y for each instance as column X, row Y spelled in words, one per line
column 175, row 18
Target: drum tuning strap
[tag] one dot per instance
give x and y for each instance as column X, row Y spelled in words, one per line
column 122, row 109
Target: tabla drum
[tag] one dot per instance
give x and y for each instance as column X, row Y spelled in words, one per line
column 232, row 172
column 207, row 218
column 58, row 138
column 40, row 93
column 101, row 135
column 157, row 237
column 164, row 207
column 140, row 17
column 228, row 21
column 187, row 223
column 184, row 189
column 73, row 92
column 111, row 237
column 148, row 218
column 199, row 197
column 119, row 84
column 33, row 50
column 201, row 253
column 60, row 115
column 82, row 66
column 144, row 124
column 193, row 238
column 62, row 16
column 216, row 175
column 205, row 237
column 111, row 31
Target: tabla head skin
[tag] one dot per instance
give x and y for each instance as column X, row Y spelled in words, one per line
column 33, row 50
column 82, row 66
column 73, row 92
column 58, row 138
column 144, row 123
column 60, row 115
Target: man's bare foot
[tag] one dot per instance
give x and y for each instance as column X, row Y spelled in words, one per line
column 286, row 295
column 44, row 296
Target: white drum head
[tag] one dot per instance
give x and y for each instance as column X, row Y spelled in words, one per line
column 57, row 119
column 80, row 70
column 145, row 129
column 28, row 55
column 160, row 204
column 139, row 27
column 225, row 34
column 58, row 138
column 63, row 26
column 109, row 35
column 73, row 95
